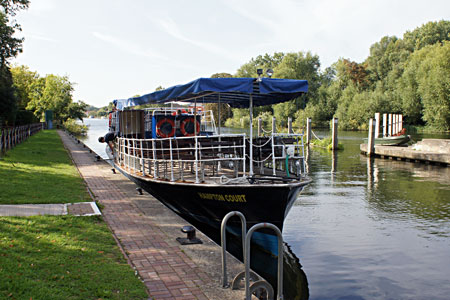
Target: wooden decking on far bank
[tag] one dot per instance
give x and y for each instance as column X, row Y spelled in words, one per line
column 427, row 151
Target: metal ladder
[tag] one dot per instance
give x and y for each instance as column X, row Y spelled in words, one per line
column 258, row 283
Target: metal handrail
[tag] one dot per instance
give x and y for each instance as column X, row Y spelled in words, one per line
column 280, row 259
column 224, row 241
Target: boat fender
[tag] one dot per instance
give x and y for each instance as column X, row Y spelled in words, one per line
column 165, row 128
column 187, row 131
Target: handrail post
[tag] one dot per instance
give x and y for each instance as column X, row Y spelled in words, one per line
column 196, row 158
column 273, row 155
column 224, row 241
column 280, row 259
column 171, row 160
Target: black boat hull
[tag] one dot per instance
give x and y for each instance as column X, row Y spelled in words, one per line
column 208, row 203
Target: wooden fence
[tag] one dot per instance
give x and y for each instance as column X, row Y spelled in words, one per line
column 12, row 136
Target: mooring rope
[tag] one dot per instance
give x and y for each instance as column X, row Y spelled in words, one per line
column 315, row 135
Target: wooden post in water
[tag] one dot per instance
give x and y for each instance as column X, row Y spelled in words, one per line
column 274, row 125
column 308, row 130
column 384, row 125
column 371, row 139
column 377, row 125
column 259, row 126
column 290, row 125
column 334, row 145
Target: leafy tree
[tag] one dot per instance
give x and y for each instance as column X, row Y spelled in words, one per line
column 8, row 105
column 55, row 94
column 10, row 7
column 433, row 77
column 266, row 61
column 77, row 110
column 25, row 81
column 298, row 65
column 9, row 47
column 428, row 34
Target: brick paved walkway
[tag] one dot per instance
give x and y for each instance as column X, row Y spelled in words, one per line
column 165, row 269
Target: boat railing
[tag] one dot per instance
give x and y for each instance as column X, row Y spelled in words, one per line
column 223, row 158
column 281, row 153
column 183, row 158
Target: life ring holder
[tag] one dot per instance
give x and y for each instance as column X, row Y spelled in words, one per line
column 183, row 126
column 160, row 123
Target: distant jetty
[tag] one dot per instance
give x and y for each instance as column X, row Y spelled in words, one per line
column 427, row 151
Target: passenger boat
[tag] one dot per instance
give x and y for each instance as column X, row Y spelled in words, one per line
column 177, row 154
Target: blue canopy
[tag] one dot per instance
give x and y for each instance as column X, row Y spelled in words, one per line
column 234, row 91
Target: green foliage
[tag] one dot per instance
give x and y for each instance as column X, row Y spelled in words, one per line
column 264, row 62
column 73, row 127
column 24, row 117
column 25, row 83
column 9, row 45
column 8, row 104
column 327, row 143
column 433, row 79
column 241, row 119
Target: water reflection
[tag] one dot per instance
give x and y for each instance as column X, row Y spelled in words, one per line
column 366, row 228
column 372, row 228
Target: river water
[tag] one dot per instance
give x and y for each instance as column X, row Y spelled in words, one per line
column 365, row 228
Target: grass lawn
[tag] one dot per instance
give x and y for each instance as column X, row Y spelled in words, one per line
column 56, row 257
column 40, row 171
column 63, row 257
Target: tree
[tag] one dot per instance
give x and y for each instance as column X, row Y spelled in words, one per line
column 266, row 61
column 433, row 77
column 8, row 105
column 298, row 65
column 10, row 7
column 55, row 94
column 77, row 110
column 9, row 47
column 25, row 81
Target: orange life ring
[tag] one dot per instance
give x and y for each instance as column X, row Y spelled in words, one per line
column 189, row 131
column 162, row 128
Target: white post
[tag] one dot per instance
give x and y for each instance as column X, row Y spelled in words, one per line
column 377, row 125
column 384, row 125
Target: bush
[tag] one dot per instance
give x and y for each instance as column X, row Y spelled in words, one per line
column 73, row 127
column 25, row 117
column 327, row 143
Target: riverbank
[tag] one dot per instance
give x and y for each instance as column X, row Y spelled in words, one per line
column 56, row 257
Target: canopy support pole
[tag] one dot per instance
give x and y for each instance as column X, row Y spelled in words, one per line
column 251, row 136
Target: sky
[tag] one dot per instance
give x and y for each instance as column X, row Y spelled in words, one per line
column 116, row 49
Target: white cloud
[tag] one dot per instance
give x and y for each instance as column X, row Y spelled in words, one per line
column 128, row 46
column 170, row 27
